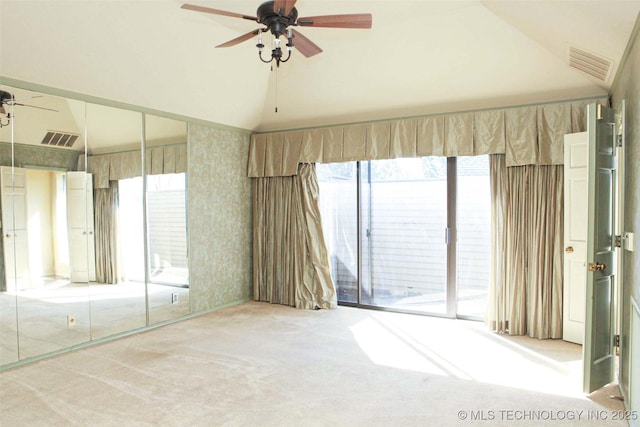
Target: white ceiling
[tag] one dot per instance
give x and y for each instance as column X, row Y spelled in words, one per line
column 420, row 57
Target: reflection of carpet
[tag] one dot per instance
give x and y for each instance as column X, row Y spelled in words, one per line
column 100, row 311
column 259, row 364
column 172, row 276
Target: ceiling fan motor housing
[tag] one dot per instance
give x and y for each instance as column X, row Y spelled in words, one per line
column 274, row 21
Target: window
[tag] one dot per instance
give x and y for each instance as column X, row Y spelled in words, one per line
column 474, row 235
column 404, row 217
column 339, row 211
column 407, row 214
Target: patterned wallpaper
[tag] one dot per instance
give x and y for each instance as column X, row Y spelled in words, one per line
column 34, row 155
column 627, row 87
column 219, row 217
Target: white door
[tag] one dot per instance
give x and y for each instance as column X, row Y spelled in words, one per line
column 576, row 155
column 82, row 251
column 598, row 349
column 14, row 227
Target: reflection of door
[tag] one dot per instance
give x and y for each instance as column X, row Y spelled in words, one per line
column 82, row 251
column 14, row 228
column 575, row 236
column 598, row 352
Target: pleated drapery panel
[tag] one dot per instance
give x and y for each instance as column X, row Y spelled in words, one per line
column 526, row 136
column 497, row 316
column 317, row 289
column 106, row 234
column 544, row 300
column 290, row 259
column 525, row 295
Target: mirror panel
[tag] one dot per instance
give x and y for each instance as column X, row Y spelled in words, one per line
column 8, row 294
column 52, row 310
column 166, row 185
column 114, row 162
column 97, row 244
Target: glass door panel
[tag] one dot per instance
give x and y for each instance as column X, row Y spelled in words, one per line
column 339, row 212
column 474, row 235
column 403, row 228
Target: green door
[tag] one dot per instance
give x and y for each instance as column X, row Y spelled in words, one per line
column 598, row 350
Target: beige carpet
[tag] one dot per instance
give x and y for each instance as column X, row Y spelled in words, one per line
column 259, row 364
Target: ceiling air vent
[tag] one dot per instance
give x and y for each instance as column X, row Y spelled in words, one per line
column 590, row 63
column 59, row 139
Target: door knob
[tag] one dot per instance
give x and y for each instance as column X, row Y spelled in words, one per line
column 569, row 249
column 596, row 266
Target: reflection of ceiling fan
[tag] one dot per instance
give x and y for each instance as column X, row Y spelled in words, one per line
column 277, row 16
column 7, row 98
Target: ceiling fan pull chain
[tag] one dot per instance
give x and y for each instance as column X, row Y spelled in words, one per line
column 276, row 88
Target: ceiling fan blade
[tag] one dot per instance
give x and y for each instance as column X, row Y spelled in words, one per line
column 355, row 20
column 216, row 11
column 304, row 45
column 240, row 39
column 287, row 5
column 35, row 106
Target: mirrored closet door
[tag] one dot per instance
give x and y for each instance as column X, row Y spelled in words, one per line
column 93, row 219
column 166, row 215
column 52, row 312
column 8, row 286
column 114, row 165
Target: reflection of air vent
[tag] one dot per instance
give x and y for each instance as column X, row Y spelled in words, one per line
column 59, row 139
column 589, row 63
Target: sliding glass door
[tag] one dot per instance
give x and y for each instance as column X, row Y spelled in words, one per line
column 404, row 217
column 473, row 245
column 409, row 234
column 339, row 211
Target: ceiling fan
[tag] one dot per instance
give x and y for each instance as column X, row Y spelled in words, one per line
column 277, row 17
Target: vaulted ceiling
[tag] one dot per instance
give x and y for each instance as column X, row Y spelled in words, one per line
column 420, row 57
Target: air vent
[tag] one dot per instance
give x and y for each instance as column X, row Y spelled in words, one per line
column 59, row 139
column 590, row 63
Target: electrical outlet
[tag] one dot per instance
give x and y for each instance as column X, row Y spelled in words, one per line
column 174, row 298
column 71, row 320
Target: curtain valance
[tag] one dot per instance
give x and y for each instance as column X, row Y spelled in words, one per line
column 127, row 164
column 526, row 135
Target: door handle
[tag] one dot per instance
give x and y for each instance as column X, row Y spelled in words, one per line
column 569, row 249
column 596, row 266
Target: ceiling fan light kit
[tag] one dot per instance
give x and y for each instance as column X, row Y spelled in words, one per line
column 277, row 17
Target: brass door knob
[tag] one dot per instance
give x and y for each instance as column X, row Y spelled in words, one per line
column 596, row 266
column 569, row 249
